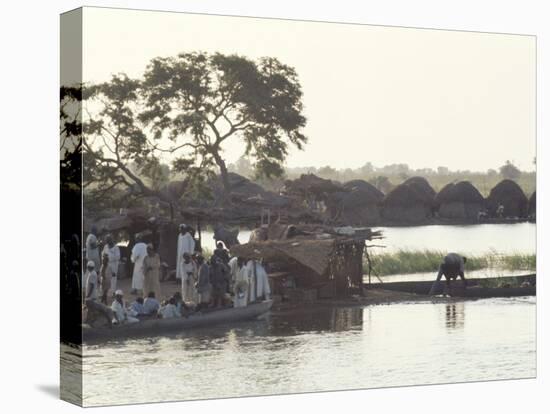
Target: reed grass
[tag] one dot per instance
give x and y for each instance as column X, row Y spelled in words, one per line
column 421, row 261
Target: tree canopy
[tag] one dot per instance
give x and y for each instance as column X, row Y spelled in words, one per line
column 199, row 101
column 187, row 108
column 510, row 171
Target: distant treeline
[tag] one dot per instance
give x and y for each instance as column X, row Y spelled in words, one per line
column 388, row 177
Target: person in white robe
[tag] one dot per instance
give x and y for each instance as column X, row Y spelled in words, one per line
column 258, row 281
column 113, row 252
column 169, row 310
column 139, row 251
column 121, row 315
column 239, row 277
column 189, row 278
column 92, row 248
column 186, row 244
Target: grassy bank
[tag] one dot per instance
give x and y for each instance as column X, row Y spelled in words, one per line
column 417, row 261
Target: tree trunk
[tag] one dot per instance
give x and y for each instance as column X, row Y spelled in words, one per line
column 223, row 173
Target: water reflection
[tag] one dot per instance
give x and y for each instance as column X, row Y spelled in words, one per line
column 454, row 315
column 321, row 349
column 318, row 320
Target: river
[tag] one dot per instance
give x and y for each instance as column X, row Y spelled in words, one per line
column 321, row 349
column 467, row 239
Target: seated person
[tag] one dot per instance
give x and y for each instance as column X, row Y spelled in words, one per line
column 180, row 304
column 151, row 305
column 121, row 315
column 136, row 308
column 169, row 310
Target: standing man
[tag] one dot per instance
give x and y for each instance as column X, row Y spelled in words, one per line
column 113, row 253
column 203, row 283
column 189, row 272
column 139, row 251
column 151, row 271
column 239, row 281
column 219, row 278
column 451, row 267
column 186, row 244
column 92, row 248
column 258, row 281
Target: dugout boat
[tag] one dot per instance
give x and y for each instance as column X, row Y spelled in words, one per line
column 154, row 327
column 505, row 286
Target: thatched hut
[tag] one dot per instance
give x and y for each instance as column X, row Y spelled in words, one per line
column 406, row 204
column 311, row 191
column 533, row 204
column 459, row 201
column 511, row 197
column 422, row 186
column 359, row 206
column 329, row 264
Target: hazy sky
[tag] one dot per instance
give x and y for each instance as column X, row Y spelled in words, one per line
column 386, row 95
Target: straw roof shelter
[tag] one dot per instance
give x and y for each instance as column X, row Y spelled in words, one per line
column 315, row 259
column 459, row 201
column 422, row 186
column 406, row 204
column 510, row 195
column 360, row 206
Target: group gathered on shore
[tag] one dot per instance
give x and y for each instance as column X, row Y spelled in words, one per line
column 213, row 283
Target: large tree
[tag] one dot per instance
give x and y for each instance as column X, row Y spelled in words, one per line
column 199, row 102
column 510, row 171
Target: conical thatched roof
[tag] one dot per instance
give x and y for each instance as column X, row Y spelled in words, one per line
column 463, row 192
column 404, row 195
column 362, row 185
column 511, row 196
column 311, row 184
column 445, row 194
column 422, row 186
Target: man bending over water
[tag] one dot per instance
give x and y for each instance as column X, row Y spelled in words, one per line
column 451, row 268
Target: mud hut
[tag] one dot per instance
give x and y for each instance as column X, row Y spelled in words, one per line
column 406, row 204
column 508, row 194
column 459, row 201
column 359, row 206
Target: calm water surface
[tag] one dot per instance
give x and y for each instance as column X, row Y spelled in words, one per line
column 471, row 239
column 315, row 350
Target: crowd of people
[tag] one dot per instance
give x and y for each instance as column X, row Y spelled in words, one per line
column 213, row 283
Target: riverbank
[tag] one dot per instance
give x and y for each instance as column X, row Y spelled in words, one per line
column 405, row 261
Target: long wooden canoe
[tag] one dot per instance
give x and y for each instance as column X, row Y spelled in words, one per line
column 153, row 327
column 476, row 288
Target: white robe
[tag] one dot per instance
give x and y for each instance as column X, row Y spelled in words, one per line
column 122, row 314
column 114, row 260
column 92, row 253
column 138, row 254
column 241, row 277
column 186, row 244
column 188, row 291
column 259, row 285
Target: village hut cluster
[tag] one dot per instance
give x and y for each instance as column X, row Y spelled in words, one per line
column 309, row 238
column 359, row 203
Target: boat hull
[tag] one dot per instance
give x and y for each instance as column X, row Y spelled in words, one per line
column 475, row 287
column 154, row 327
